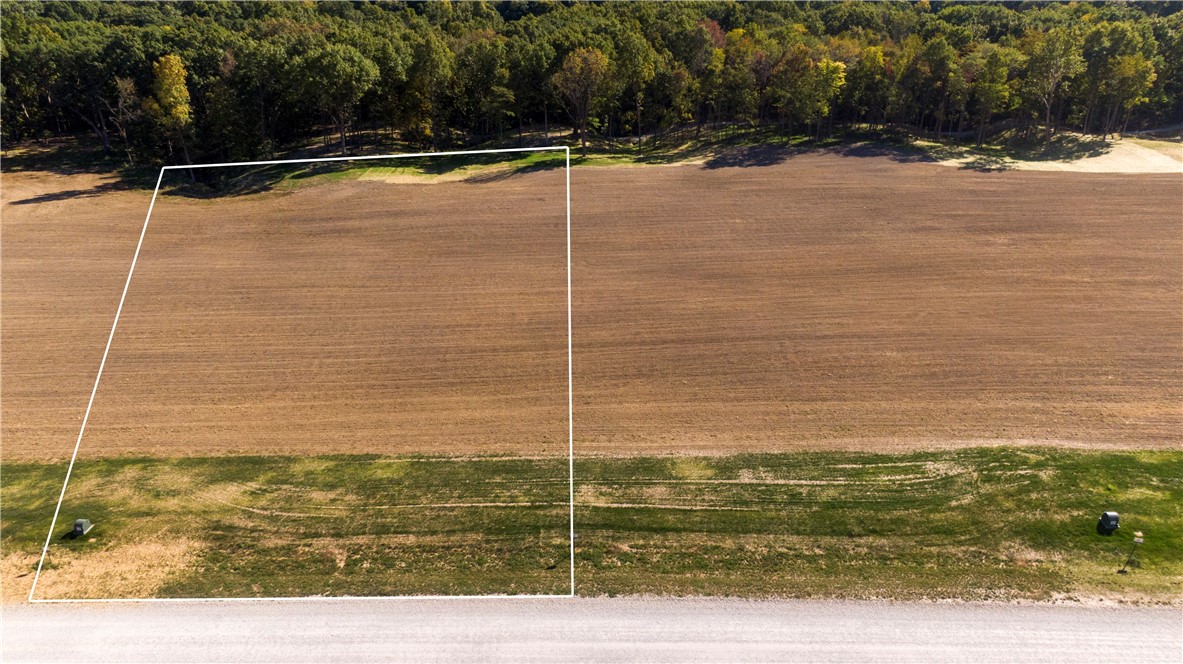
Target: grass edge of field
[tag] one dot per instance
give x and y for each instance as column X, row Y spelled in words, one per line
column 651, row 551
column 999, row 154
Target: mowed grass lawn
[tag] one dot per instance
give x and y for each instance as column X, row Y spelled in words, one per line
column 986, row 523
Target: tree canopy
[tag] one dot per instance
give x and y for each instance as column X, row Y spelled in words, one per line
column 189, row 81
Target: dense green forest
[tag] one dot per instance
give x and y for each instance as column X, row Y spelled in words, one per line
column 203, row 81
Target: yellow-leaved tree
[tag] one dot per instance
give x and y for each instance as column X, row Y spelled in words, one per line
column 169, row 104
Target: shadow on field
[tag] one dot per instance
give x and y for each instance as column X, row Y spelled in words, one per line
column 904, row 154
column 246, row 180
column 79, row 156
column 1064, row 147
column 1000, row 156
column 73, row 157
column 897, row 153
column 99, row 190
column 500, row 174
column 753, row 147
column 755, row 156
column 752, row 156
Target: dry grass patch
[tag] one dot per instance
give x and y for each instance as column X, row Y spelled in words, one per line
column 16, row 576
column 131, row 570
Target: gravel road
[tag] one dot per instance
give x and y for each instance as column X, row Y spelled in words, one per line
column 599, row 630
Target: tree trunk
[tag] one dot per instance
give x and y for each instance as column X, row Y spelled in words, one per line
column 434, row 129
column 185, row 151
column 583, row 135
column 263, row 124
column 341, row 128
column 1047, row 125
column 122, row 127
column 105, row 134
column 638, row 118
column 98, row 130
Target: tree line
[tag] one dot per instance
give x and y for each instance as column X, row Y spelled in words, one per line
column 201, row 81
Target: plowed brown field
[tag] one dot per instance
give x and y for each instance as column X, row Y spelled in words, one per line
column 824, row 302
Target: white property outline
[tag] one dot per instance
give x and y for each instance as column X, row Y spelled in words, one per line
column 570, row 391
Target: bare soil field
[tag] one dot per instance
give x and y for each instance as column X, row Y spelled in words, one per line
column 816, row 302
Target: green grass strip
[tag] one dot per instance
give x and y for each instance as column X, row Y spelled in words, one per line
column 984, row 523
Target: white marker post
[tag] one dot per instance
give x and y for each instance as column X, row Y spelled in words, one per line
column 1130, row 558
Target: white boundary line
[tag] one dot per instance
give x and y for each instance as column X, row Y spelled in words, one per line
column 570, row 387
column 570, row 393
column 310, row 598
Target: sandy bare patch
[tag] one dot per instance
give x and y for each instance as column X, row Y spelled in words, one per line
column 1124, row 156
column 1172, row 149
column 459, row 175
column 400, row 178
